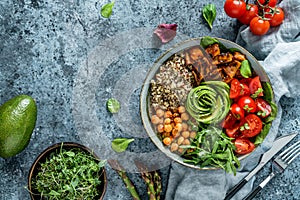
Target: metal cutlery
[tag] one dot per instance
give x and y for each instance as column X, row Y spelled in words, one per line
column 279, row 164
column 277, row 146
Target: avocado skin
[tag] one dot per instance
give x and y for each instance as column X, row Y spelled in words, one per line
column 17, row 121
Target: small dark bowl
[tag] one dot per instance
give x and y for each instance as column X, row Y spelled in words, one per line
column 46, row 153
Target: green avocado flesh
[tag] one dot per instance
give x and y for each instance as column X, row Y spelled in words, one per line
column 209, row 102
column 17, row 121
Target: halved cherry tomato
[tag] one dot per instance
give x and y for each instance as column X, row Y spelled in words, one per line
column 237, row 111
column 248, row 104
column 259, row 26
column 252, row 126
column 233, row 131
column 246, row 81
column 255, row 85
column 235, row 89
column 245, row 91
column 229, row 121
column 264, row 109
column 235, row 8
column 277, row 18
column 251, row 11
column 271, row 3
column 243, row 146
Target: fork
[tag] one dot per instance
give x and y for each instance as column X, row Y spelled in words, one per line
column 278, row 166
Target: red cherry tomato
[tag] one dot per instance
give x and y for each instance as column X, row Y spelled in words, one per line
column 258, row 26
column 272, row 3
column 255, row 85
column 235, row 89
column 243, row 146
column 245, row 91
column 233, row 131
column 235, row 8
column 251, row 12
column 237, row 111
column 246, row 81
column 229, row 120
column 252, row 126
column 264, row 109
column 277, row 18
column 248, row 104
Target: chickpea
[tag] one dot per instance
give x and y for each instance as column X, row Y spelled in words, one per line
column 167, row 141
column 193, row 134
column 175, row 133
column 181, row 109
column 167, row 121
column 174, row 147
column 178, row 127
column 180, row 150
column 176, row 115
column 185, row 116
column 177, row 120
column 168, row 114
column 168, row 128
column 155, row 119
column 180, row 140
column 160, row 128
column 186, row 142
column 166, row 134
column 185, row 134
column 184, row 126
column 160, row 112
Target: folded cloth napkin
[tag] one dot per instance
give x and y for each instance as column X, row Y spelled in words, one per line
column 280, row 51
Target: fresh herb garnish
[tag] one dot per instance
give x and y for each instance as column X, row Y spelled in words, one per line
column 113, row 105
column 107, row 9
column 69, row 174
column 120, row 144
column 209, row 13
column 246, row 69
column 211, row 147
column 257, row 93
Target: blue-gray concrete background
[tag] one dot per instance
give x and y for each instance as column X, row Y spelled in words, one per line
column 44, row 45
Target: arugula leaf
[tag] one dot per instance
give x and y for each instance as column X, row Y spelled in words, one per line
column 246, row 69
column 106, row 10
column 120, row 144
column 209, row 13
column 113, row 105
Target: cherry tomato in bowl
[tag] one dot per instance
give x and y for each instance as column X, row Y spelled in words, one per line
column 243, row 146
column 263, row 107
column 255, row 86
column 247, row 104
column 237, row 111
column 252, row 126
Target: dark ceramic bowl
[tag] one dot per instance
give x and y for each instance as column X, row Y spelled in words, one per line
column 46, row 153
column 145, row 96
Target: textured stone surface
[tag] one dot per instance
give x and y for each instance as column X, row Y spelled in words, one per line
column 49, row 49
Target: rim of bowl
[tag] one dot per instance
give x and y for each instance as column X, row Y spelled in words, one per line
column 144, row 96
column 53, row 147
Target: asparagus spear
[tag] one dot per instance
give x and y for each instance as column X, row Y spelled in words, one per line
column 129, row 185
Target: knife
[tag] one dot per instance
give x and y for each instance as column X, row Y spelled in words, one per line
column 277, row 146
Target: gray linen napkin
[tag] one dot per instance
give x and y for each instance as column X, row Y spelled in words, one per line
column 280, row 49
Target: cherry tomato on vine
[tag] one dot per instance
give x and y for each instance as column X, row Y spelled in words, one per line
column 255, row 85
column 264, row 109
column 247, row 104
column 252, row 126
column 258, row 26
column 251, row 12
column 278, row 17
column 243, row 146
column 272, row 3
column 237, row 111
column 235, row 8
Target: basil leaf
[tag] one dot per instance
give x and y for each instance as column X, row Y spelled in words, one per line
column 206, row 41
column 106, row 10
column 209, row 13
column 246, row 69
column 268, row 92
column 120, row 144
column 264, row 132
column 113, row 105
